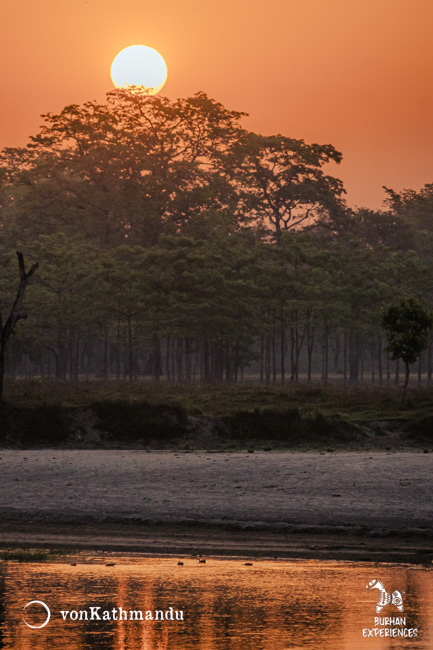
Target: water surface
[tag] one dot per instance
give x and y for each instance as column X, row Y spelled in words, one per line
column 271, row 605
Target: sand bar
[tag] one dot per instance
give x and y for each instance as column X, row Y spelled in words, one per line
column 348, row 504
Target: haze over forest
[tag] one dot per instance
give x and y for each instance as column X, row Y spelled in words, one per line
column 174, row 244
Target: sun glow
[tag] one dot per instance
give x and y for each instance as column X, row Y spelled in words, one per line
column 139, row 65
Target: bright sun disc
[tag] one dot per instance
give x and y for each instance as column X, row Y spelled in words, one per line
column 139, row 65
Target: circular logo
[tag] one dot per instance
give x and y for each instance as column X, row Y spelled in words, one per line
column 38, row 602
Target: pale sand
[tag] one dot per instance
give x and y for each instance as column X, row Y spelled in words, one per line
column 123, row 495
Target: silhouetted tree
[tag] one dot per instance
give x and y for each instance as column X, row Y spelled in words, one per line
column 282, row 183
column 407, row 326
column 122, row 172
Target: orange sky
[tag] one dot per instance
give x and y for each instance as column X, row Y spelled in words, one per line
column 356, row 74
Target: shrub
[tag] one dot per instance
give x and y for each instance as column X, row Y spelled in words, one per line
column 132, row 421
column 264, row 425
column 41, row 424
column 420, row 429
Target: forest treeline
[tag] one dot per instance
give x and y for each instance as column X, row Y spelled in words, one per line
column 175, row 244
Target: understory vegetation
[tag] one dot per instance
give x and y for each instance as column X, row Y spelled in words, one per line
column 99, row 414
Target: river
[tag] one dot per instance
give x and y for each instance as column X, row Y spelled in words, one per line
column 97, row 601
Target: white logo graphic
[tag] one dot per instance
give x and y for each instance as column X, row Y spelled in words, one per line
column 383, row 598
column 38, row 602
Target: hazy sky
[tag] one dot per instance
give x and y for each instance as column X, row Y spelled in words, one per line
column 356, row 74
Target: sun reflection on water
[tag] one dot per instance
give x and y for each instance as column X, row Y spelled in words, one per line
column 270, row 605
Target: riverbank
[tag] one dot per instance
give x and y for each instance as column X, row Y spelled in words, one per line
column 139, row 415
column 346, row 505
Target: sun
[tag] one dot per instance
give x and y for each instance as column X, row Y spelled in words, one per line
column 139, row 65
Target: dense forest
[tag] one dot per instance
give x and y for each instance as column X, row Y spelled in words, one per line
column 174, row 244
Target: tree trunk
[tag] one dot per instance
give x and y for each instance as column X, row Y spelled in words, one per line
column 345, row 358
column 157, row 358
column 130, row 350
column 337, row 355
column 282, row 355
column 397, row 372
column 167, row 360
column 310, row 348
column 268, row 360
column 105, row 353
column 15, row 313
column 274, row 360
column 262, row 361
column 118, row 339
column 353, row 357
column 179, row 355
column 2, row 371
column 206, row 369
column 406, row 381
column 379, row 360
column 188, row 360
column 325, row 355
column 293, row 347
column 429, row 363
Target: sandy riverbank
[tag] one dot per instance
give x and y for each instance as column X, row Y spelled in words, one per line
column 359, row 505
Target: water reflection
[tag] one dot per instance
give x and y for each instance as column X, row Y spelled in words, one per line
column 226, row 604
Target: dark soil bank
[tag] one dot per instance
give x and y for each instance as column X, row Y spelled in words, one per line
column 113, row 424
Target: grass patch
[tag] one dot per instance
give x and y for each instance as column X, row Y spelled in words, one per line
column 22, row 555
column 350, row 402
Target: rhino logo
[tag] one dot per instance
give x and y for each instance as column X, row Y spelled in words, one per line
column 384, row 598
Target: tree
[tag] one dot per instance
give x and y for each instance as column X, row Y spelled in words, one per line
column 414, row 208
column 122, row 172
column 407, row 326
column 282, row 183
column 15, row 313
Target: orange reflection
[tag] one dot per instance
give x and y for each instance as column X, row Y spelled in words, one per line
column 226, row 604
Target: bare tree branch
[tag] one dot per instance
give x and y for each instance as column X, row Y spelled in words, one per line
column 15, row 314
